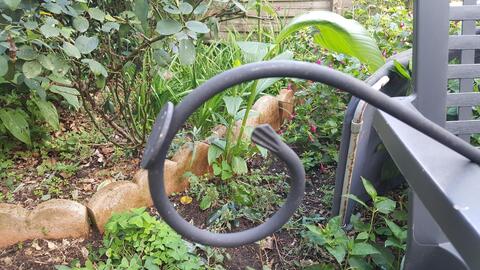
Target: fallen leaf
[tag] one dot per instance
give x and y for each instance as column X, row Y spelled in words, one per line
column 266, row 243
column 186, row 199
column 51, row 245
column 36, row 246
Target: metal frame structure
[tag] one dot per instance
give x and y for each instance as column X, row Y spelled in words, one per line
column 441, row 168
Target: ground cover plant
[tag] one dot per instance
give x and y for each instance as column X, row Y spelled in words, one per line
column 81, row 83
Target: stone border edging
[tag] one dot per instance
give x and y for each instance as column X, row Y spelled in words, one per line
column 59, row 218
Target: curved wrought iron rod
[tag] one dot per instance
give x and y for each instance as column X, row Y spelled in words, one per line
column 277, row 68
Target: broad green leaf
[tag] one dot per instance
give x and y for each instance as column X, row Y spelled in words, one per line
column 232, row 104
column 96, row 14
column 197, row 27
column 140, row 8
column 95, row 67
column 12, row 4
column 384, row 259
column 172, row 9
column 206, row 202
column 48, row 112
column 68, row 93
column 397, row 231
column 30, row 25
column 254, row 51
column 226, row 170
column 161, row 57
column 263, row 84
column 400, row 69
column 363, row 249
column 239, row 165
column 49, row 30
column 31, row 69
column 53, row 7
column 86, row 44
column 26, row 53
column 201, row 9
column 337, row 34
column 108, row 26
column 71, row 50
column 46, row 61
column 384, row 205
column 355, row 198
column 338, row 252
column 81, row 24
column 213, row 153
column 185, row 8
column 67, row 32
column 186, row 52
column 358, row 263
column 16, row 123
column 168, row 27
column 369, row 188
column 3, row 65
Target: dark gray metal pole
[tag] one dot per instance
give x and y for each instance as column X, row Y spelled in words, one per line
column 430, row 58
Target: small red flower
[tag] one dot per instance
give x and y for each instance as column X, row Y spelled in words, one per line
column 292, row 116
column 319, row 61
column 313, row 128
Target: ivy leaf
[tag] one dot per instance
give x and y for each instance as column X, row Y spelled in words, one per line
column 16, row 123
column 3, row 65
column 338, row 34
column 81, row 24
column 185, row 8
column 168, row 27
column 96, row 14
column 197, row 27
column 96, row 67
column 186, row 52
column 239, row 165
column 31, row 69
column 71, row 50
column 12, row 4
column 48, row 112
column 86, row 44
column 68, row 93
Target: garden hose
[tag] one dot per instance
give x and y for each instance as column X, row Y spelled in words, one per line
column 171, row 119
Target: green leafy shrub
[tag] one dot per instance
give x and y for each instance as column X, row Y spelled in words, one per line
column 136, row 240
column 378, row 243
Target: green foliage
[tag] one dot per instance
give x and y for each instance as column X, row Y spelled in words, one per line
column 389, row 22
column 338, row 34
column 378, row 243
column 136, row 240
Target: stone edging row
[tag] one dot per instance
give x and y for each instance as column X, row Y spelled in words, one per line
column 59, row 218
